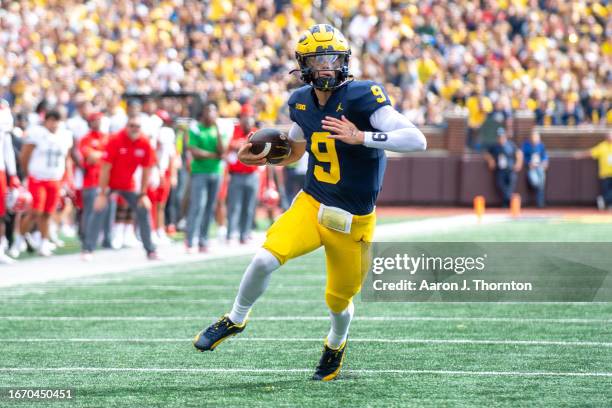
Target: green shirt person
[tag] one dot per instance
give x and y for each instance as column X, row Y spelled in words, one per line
column 205, row 144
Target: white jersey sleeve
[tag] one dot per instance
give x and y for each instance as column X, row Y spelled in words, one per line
column 165, row 148
column 8, row 164
column 296, row 133
column 7, row 154
column 396, row 134
column 78, row 126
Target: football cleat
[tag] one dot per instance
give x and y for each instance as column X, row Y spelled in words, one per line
column 216, row 333
column 330, row 363
column 86, row 256
column 46, row 248
column 5, row 259
column 153, row 256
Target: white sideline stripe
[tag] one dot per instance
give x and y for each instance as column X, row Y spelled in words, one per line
column 186, row 288
column 145, row 301
column 312, row 318
column 264, row 301
column 318, row 340
column 299, row 370
column 70, row 267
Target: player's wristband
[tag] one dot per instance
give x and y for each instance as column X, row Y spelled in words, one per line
column 399, row 140
column 375, row 139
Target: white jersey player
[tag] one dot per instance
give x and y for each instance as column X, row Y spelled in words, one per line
column 44, row 156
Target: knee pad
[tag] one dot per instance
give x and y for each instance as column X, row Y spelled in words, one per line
column 264, row 262
column 337, row 304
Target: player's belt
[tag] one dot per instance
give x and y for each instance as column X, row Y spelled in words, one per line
column 335, row 218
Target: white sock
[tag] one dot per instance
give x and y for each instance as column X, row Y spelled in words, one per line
column 340, row 323
column 253, row 284
column 53, row 230
column 17, row 239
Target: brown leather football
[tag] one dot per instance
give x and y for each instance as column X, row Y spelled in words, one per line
column 274, row 142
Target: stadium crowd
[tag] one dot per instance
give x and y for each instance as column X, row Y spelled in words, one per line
column 492, row 57
column 74, row 62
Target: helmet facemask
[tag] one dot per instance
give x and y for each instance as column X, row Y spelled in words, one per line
column 311, row 66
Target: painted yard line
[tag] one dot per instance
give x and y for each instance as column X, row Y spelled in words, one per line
column 297, row 370
column 145, row 301
column 181, row 288
column 275, row 301
column 70, row 267
column 170, row 278
column 201, row 278
column 318, row 340
column 314, row 318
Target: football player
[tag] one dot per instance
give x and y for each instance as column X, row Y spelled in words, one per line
column 44, row 157
column 345, row 125
column 7, row 168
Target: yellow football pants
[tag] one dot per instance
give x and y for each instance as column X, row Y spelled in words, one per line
column 298, row 232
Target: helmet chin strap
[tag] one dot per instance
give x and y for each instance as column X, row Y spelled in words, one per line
column 325, row 84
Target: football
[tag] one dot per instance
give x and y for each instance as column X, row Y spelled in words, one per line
column 272, row 141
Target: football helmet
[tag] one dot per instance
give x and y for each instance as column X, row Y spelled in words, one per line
column 18, row 200
column 270, row 197
column 323, row 48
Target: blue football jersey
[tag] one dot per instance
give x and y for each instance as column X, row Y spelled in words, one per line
column 341, row 175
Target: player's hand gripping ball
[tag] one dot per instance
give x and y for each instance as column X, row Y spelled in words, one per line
column 272, row 142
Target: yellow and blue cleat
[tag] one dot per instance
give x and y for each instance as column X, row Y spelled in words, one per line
column 216, row 333
column 330, row 363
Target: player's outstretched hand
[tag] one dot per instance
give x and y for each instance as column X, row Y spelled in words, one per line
column 248, row 158
column 343, row 130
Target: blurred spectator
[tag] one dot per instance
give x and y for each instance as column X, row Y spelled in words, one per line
column 164, row 173
column 78, row 123
column 505, row 160
column 124, row 152
column 603, row 154
column 175, row 208
column 550, row 57
column 362, row 23
column 206, row 147
column 478, row 106
column 536, row 164
column 499, row 117
column 244, row 181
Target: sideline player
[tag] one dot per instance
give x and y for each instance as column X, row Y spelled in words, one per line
column 8, row 168
column 45, row 159
column 344, row 125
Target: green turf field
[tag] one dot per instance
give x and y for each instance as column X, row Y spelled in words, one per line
column 125, row 340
